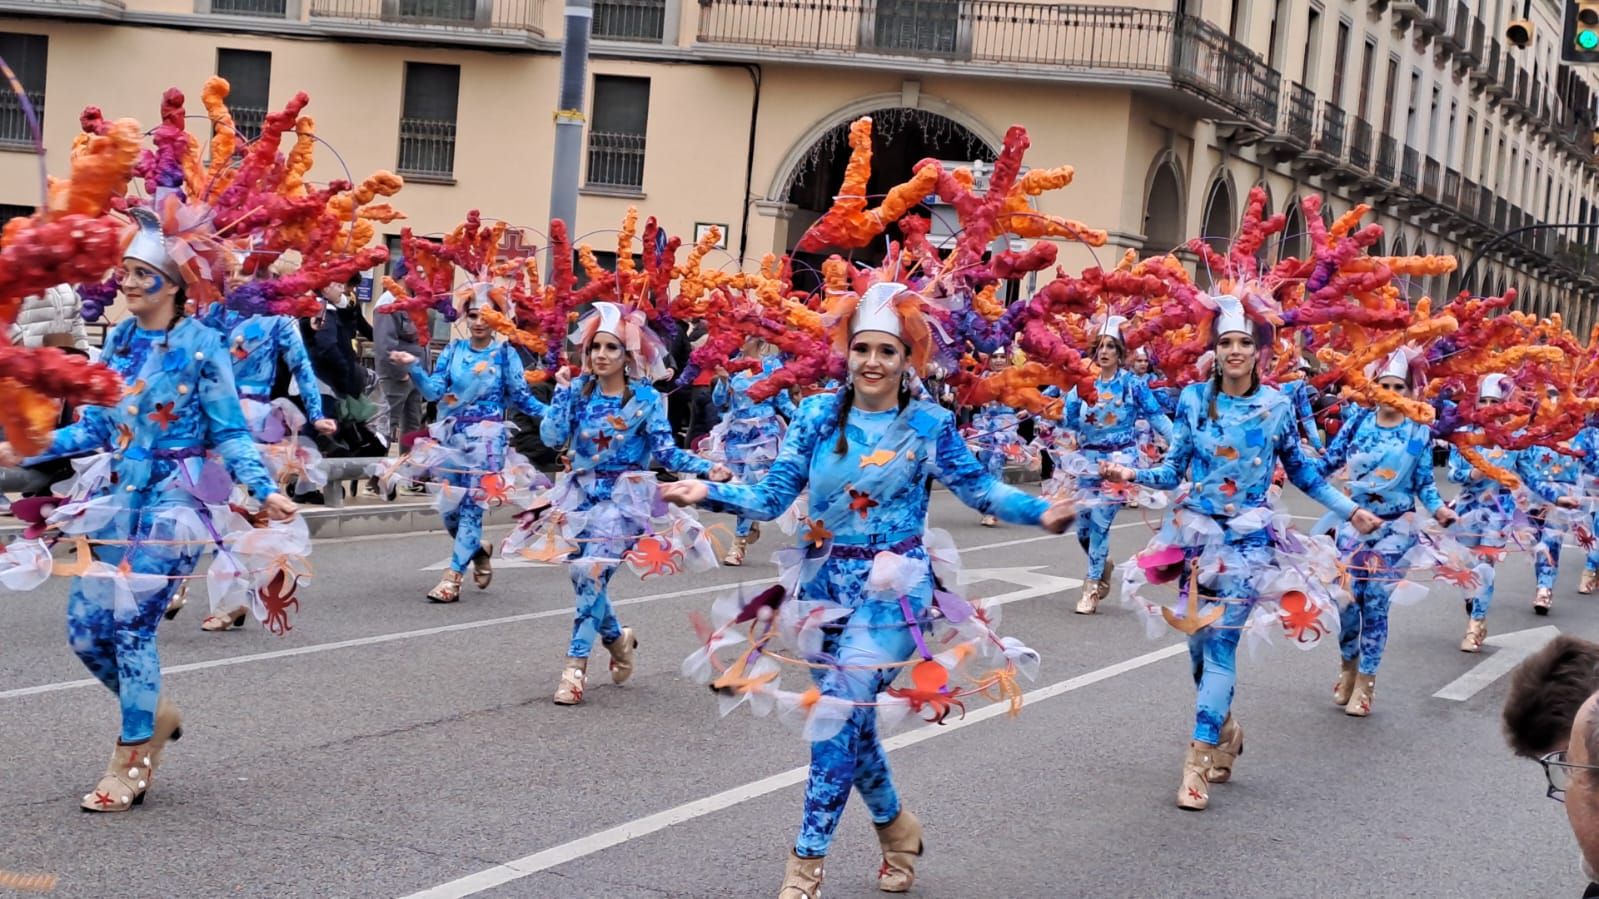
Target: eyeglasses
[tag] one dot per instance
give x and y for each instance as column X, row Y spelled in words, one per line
column 1558, row 771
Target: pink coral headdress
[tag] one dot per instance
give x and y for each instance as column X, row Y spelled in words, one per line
column 646, row 353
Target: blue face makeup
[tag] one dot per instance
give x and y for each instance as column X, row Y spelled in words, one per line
column 157, row 282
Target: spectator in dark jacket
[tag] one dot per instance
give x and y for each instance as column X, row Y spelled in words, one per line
column 397, row 333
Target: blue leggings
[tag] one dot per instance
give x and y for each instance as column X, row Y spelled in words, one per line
column 1480, row 599
column 1093, row 535
column 465, row 524
column 1546, row 555
column 1363, row 624
column 1213, row 650
column 1593, row 554
column 116, row 640
column 595, row 616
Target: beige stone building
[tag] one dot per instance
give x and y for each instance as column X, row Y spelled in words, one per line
column 731, row 112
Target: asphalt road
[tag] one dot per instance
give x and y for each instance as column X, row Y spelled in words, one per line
column 387, row 746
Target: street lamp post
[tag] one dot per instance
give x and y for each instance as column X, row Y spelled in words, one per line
column 1465, row 276
column 569, row 116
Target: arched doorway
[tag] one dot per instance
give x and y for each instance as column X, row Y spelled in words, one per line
column 1293, row 242
column 1220, row 215
column 901, row 137
column 1163, row 210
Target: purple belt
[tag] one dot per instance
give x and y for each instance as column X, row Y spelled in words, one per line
column 865, row 551
column 181, row 452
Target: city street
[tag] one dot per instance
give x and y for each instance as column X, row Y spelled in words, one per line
column 391, row 747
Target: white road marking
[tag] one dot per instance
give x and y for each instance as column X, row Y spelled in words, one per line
column 632, row 830
column 1512, row 648
column 1034, row 584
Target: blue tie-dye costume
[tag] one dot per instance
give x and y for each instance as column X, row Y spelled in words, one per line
column 181, row 401
column 1108, row 430
column 1390, row 469
column 752, row 431
column 607, row 438
column 1227, row 463
column 1301, row 393
column 473, row 389
column 872, row 497
column 1488, row 511
column 1561, row 474
column 1587, row 440
column 993, row 434
column 256, row 343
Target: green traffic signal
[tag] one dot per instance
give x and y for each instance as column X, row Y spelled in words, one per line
column 1588, row 40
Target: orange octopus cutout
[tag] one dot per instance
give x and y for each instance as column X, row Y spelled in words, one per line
column 1300, row 617
column 931, row 691
column 654, row 556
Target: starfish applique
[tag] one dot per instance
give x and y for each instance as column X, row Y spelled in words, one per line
column 817, row 533
column 1227, row 452
column 603, row 441
column 124, row 436
column 1229, row 488
column 163, row 414
column 878, row 457
column 134, row 389
column 240, row 351
column 861, row 501
column 103, row 799
column 617, row 422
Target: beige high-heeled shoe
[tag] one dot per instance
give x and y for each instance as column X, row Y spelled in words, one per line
column 125, row 782
column 1476, row 632
column 1089, row 603
column 1360, row 698
column 168, row 729
column 802, row 878
column 1194, row 793
column 1346, row 681
column 226, row 621
column 735, row 553
column 448, row 588
column 573, row 676
column 901, row 840
column 623, row 650
column 482, row 569
column 1229, row 746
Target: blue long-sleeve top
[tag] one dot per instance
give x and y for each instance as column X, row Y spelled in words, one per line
column 1587, row 440
column 1229, row 460
column 1478, row 488
column 1165, row 396
column 1110, row 423
column 1549, row 465
column 876, row 490
column 607, row 435
column 1301, row 393
column 477, row 384
column 1390, row 468
column 733, row 394
column 180, row 398
column 255, row 344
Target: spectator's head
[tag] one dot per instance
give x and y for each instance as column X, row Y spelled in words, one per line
column 1545, row 693
column 1577, row 772
column 335, row 295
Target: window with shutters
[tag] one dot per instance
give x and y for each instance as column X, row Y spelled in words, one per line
column 427, row 122
column 27, row 54
column 249, row 77
column 616, row 133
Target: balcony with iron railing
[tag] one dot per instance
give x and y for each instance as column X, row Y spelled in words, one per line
column 1409, row 12
column 1360, row 144
column 630, row 20
column 1330, row 131
column 1429, row 178
column 427, row 150
column 1449, row 193
column 261, row 9
column 15, row 132
column 1492, row 82
column 509, row 23
column 1467, row 204
column 1501, row 213
column 64, row 9
column 1485, row 204
column 1450, row 39
column 1298, row 121
column 1387, row 157
column 1180, row 56
column 1475, row 37
column 1409, row 168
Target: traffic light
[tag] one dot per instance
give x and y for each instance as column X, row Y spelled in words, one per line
column 1519, row 33
column 1580, row 42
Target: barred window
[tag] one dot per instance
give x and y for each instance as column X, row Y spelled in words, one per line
column 269, row 9
column 616, row 133
column 630, row 20
column 427, row 124
column 442, row 11
column 249, row 76
column 27, row 55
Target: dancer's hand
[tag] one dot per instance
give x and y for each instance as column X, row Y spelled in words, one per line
column 8, row 455
column 563, row 377
column 1059, row 516
column 325, row 426
column 720, row 473
column 1365, row 521
column 685, row 493
column 721, row 372
column 1445, row 516
column 279, row 507
column 1567, row 502
column 401, row 357
column 1116, row 474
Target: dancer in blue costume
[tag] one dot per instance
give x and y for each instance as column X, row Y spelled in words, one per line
column 1107, row 431
column 603, row 512
column 1489, row 511
column 995, row 440
column 866, row 455
column 1563, row 473
column 142, row 502
column 1390, row 470
column 1587, row 441
column 256, row 345
column 1227, row 436
column 475, row 381
column 749, row 433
